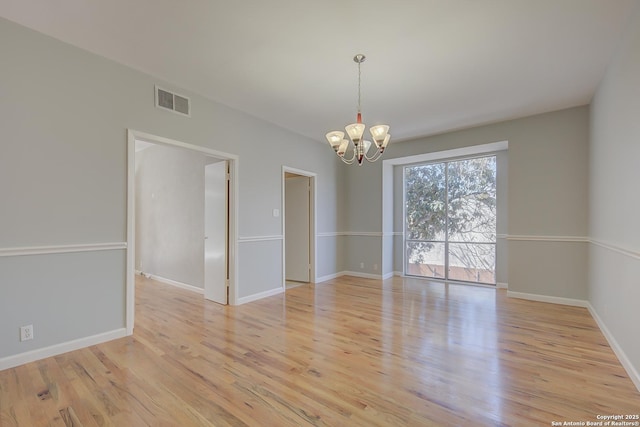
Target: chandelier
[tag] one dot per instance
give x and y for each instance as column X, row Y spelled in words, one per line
column 357, row 147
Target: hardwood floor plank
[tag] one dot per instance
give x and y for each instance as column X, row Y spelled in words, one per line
column 351, row 351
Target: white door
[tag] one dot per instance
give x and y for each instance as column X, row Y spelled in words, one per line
column 297, row 228
column 215, row 230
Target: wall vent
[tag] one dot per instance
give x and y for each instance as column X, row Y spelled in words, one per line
column 171, row 101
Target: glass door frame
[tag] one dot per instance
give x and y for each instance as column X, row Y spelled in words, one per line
column 446, row 242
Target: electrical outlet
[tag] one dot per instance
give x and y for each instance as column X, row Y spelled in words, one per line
column 26, row 333
column 375, row 267
column 362, row 265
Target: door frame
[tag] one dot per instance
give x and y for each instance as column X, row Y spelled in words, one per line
column 446, row 242
column 233, row 161
column 312, row 223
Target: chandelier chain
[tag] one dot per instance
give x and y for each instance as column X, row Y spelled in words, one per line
column 359, row 77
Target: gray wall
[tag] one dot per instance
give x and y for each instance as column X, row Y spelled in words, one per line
column 546, row 192
column 170, row 214
column 64, row 115
column 614, row 253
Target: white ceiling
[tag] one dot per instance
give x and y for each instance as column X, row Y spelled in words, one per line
column 432, row 65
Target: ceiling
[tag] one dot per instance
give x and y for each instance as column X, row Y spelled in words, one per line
column 432, row 65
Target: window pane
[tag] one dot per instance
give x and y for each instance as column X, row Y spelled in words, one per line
column 425, row 195
column 451, row 206
column 425, row 259
column 472, row 200
column 472, row 262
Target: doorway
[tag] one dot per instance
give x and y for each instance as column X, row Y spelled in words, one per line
column 216, row 209
column 298, row 189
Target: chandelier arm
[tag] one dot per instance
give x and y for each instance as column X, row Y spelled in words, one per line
column 349, row 162
column 352, row 159
column 374, row 157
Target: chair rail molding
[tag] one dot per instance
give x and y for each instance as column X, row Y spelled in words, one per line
column 62, row 249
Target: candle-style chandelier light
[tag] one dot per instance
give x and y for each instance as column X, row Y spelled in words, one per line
column 356, row 146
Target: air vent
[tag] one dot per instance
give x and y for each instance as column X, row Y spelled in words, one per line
column 173, row 102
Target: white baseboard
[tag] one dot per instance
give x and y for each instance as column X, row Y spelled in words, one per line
column 502, row 285
column 376, row 276
column 56, row 349
column 260, row 295
column 355, row 274
column 173, row 283
column 328, row 277
column 550, row 299
column 361, row 274
column 622, row 357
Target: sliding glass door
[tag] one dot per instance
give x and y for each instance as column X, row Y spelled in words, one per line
column 450, row 220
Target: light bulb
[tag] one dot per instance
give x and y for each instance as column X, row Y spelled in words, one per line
column 355, row 131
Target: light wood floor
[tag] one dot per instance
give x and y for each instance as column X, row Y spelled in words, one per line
column 351, row 352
